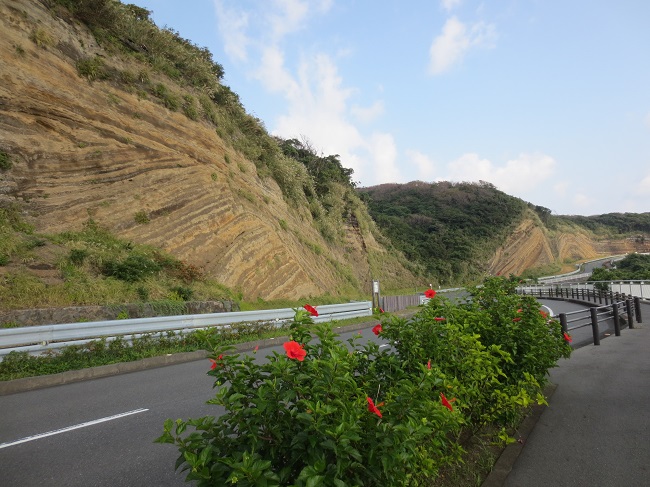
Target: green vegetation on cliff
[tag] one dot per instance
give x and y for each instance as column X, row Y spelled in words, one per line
column 451, row 229
column 617, row 223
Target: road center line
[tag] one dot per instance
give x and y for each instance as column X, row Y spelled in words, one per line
column 70, row 428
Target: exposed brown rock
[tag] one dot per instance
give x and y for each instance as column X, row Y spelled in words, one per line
column 533, row 245
column 82, row 149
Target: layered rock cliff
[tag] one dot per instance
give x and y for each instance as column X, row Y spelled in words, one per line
column 91, row 149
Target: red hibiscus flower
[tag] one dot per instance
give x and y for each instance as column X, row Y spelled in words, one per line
column 567, row 337
column 295, row 351
column 439, row 318
column 311, row 309
column 257, row 347
column 516, row 319
column 381, row 310
column 519, row 310
column 429, row 293
column 429, row 365
column 445, row 402
column 372, row 408
column 543, row 313
column 377, row 329
column 215, row 362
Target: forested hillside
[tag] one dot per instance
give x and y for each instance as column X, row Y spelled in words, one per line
column 451, row 229
column 618, row 223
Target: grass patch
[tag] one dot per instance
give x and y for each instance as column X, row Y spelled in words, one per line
column 92, row 68
column 169, row 99
column 141, row 217
column 41, row 37
column 5, row 162
column 95, row 268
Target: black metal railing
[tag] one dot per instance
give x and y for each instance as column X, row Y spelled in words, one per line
column 603, row 306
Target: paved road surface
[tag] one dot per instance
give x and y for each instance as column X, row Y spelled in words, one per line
column 116, row 452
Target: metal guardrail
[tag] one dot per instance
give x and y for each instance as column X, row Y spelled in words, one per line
column 36, row 339
column 616, row 305
column 637, row 288
column 564, row 278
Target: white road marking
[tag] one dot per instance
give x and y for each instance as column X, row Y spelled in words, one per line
column 70, row 428
column 550, row 311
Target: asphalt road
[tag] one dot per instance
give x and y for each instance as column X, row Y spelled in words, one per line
column 100, row 432
column 115, row 421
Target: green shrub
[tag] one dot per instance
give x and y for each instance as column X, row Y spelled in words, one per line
column 5, row 161
column 291, row 422
column 41, row 37
column 183, row 292
column 132, row 269
column 92, row 68
column 10, row 324
column 141, row 217
column 169, row 99
column 143, row 293
column 77, row 256
column 189, row 107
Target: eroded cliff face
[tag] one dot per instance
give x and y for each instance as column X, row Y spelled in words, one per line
column 532, row 245
column 82, row 150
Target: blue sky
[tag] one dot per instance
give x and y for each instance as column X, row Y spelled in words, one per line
column 548, row 100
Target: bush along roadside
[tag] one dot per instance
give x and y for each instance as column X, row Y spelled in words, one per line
column 339, row 414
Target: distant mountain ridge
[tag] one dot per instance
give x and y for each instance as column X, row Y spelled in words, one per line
column 461, row 231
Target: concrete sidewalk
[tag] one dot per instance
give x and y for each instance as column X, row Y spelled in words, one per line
column 596, row 429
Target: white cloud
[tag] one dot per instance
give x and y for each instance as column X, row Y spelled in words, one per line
column 289, row 18
column 456, row 39
column 426, row 168
column 232, row 26
column 561, row 188
column 383, row 155
column 272, row 73
column 516, row 176
column 643, row 187
column 317, row 106
column 368, row 114
column 449, row 5
column 582, row 200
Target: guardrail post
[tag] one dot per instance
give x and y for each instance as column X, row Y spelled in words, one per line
column 594, row 325
column 617, row 323
column 637, row 309
column 600, row 297
column 630, row 318
column 606, row 298
column 563, row 322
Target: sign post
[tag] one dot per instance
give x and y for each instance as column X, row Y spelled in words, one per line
column 376, row 303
